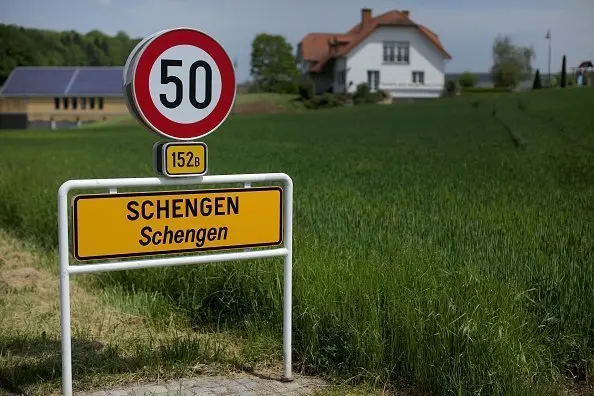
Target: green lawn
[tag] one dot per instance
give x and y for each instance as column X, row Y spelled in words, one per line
column 264, row 102
column 446, row 245
column 245, row 98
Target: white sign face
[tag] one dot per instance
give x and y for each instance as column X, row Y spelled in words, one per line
column 180, row 83
column 185, row 84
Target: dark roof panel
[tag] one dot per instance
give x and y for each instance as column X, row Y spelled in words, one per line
column 99, row 81
column 64, row 81
column 38, row 81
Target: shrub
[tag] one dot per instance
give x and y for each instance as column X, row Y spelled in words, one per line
column 344, row 97
column 467, row 80
column 308, row 104
column 364, row 95
column 379, row 96
column 328, row 100
column 307, row 90
column 452, row 87
column 289, row 87
column 554, row 82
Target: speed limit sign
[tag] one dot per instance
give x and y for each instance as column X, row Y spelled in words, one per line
column 180, row 83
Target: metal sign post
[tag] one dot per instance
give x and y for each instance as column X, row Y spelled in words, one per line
column 180, row 84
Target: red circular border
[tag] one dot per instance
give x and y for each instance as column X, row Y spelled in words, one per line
column 142, row 95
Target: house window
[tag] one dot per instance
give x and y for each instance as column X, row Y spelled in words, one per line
column 396, row 52
column 402, row 55
column 74, row 103
column 418, row 77
column 100, row 103
column 83, row 103
column 56, row 103
column 65, row 102
column 373, row 77
column 389, row 51
column 342, row 77
column 92, row 103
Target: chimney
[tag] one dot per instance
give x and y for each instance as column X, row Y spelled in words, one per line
column 365, row 16
column 406, row 13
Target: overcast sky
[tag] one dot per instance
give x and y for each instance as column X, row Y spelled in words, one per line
column 466, row 27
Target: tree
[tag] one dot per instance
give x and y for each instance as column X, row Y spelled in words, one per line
column 564, row 72
column 467, row 80
column 511, row 63
column 273, row 65
column 22, row 46
column 537, row 83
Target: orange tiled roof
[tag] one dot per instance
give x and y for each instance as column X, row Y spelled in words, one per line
column 319, row 48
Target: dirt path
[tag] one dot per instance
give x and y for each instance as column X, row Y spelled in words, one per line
column 242, row 385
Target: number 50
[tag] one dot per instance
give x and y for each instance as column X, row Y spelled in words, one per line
column 166, row 79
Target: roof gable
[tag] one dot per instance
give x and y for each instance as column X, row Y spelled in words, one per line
column 319, row 48
column 64, row 81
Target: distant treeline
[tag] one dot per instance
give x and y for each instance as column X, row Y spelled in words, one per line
column 21, row 46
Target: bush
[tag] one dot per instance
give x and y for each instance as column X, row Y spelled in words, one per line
column 554, row 82
column 326, row 100
column 289, row 87
column 345, row 98
column 379, row 96
column 467, row 80
column 364, row 95
column 307, row 90
column 452, row 87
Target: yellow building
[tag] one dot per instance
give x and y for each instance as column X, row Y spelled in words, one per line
column 61, row 94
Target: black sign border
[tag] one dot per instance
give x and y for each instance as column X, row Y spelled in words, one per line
column 179, row 192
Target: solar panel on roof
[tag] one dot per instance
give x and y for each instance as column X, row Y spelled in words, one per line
column 97, row 82
column 50, row 81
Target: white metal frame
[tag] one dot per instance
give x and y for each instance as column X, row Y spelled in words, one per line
column 286, row 251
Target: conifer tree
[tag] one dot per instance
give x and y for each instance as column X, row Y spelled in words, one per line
column 564, row 72
column 537, row 83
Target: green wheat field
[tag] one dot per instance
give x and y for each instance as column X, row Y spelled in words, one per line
column 444, row 245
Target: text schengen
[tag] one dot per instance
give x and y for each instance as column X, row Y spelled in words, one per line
column 148, row 223
column 179, row 208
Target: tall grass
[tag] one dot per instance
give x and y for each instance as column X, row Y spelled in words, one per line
column 430, row 247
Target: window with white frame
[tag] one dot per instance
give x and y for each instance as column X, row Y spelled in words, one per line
column 418, row 77
column 373, row 77
column 396, row 52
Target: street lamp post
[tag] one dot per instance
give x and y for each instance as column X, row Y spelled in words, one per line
column 548, row 37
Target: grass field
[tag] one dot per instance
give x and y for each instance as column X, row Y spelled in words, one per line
column 446, row 245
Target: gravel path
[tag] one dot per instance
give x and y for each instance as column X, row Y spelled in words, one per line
column 225, row 386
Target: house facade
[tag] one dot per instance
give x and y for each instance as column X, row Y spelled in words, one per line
column 43, row 95
column 388, row 52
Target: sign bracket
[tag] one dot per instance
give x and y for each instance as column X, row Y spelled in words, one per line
column 67, row 269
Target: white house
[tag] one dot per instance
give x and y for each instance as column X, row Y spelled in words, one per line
column 388, row 52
